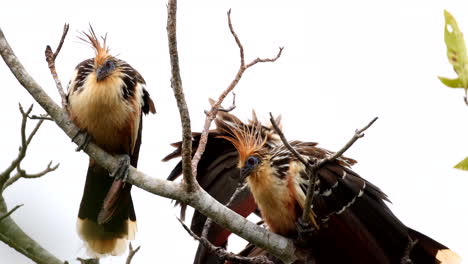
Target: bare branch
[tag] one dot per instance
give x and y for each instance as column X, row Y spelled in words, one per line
column 239, row 44
column 4, row 176
column 12, row 235
column 23, row 174
column 7, row 214
column 232, row 107
column 211, row 115
column 257, row 60
column 176, row 83
column 359, row 133
column 224, row 255
column 50, row 58
column 131, row 253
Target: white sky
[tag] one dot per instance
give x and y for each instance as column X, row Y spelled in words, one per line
column 344, row 63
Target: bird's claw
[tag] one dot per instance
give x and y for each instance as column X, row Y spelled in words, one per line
column 84, row 144
column 305, row 232
column 122, row 171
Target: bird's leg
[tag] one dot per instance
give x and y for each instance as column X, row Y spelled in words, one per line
column 121, row 173
column 305, row 232
column 83, row 144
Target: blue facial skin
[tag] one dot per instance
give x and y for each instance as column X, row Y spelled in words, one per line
column 250, row 164
column 105, row 70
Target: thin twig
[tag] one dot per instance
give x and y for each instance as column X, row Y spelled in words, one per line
column 7, row 214
column 176, row 84
column 4, row 176
column 224, row 255
column 211, row 115
column 50, row 58
column 232, row 107
column 131, row 253
column 23, row 174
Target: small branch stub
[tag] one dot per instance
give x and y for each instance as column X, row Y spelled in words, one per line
column 50, row 58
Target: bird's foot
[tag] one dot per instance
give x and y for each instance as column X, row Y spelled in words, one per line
column 121, row 173
column 82, row 143
column 305, row 232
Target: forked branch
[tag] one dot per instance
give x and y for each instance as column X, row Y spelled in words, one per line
column 216, row 106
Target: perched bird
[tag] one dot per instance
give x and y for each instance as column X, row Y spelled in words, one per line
column 353, row 224
column 106, row 99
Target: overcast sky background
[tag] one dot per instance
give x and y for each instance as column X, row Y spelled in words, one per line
column 344, row 63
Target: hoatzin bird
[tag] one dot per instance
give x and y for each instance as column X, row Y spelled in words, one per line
column 106, row 99
column 353, row 223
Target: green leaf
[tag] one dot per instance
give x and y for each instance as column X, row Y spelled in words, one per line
column 462, row 165
column 452, row 83
column 456, row 53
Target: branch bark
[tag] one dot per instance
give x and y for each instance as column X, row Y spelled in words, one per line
column 279, row 246
column 176, row 83
column 12, row 235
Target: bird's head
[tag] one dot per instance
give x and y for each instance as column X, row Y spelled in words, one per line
column 104, row 63
column 250, row 142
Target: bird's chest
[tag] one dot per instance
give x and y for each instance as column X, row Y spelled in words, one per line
column 277, row 205
column 101, row 111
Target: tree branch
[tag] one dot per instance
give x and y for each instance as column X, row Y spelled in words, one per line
column 223, row 254
column 23, row 174
column 176, row 83
column 12, row 235
column 277, row 245
column 216, row 106
column 131, row 253
column 50, row 58
column 5, row 179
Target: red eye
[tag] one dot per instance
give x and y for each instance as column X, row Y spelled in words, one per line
column 252, row 161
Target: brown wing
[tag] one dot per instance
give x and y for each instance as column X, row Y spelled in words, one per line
column 119, row 192
column 357, row 225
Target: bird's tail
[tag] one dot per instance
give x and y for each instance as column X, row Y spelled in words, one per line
column 108, row 234
column 426, row 250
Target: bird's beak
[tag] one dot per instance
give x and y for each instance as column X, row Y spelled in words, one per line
column 101, row 74
column 244, row 173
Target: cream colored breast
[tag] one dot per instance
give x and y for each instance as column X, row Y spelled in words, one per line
column 100, row 109
column 274, row 200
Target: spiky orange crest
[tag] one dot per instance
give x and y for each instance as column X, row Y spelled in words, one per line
column 102, row 51
column 247, row 139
